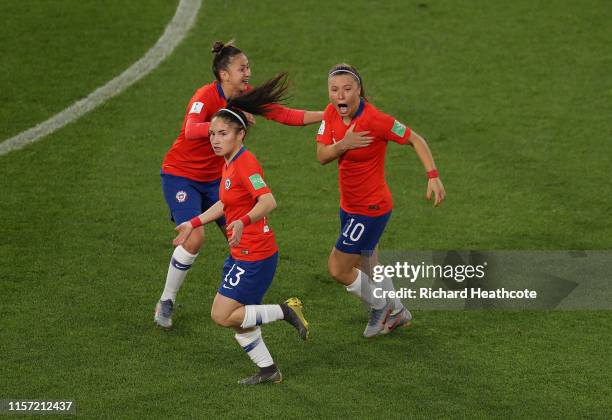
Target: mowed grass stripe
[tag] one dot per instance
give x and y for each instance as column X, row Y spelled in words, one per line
column 176, row 29
column 54, row 53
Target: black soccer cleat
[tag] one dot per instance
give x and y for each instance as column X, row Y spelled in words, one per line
column 268, row 374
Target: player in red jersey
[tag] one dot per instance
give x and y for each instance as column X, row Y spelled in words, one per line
column 245, row 202
column 355, row 133
column 191, row 171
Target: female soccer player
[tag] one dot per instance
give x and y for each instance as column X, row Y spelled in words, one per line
column 191, row 171
column 355, row 133
column 245, row 202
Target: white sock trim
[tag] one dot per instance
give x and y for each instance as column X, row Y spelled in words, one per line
column 363, row 288
column 255, row 315
column 249, row 317
column 183, row 256
column 180, row 264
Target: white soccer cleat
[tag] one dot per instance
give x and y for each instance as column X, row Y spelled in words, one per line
column 377, row 320
column 163, row 313
column 403, row 318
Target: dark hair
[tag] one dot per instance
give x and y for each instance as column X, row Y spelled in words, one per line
column 223, row 56
column 344, row 68
column 256, row 101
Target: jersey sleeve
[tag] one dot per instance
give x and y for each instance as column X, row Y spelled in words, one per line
column 284, row 115
column 252, row 177
column 324, row 135
column 198, row 116
column 391, row 129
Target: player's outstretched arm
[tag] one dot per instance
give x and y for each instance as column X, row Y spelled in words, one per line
column 352, row 140
column 184, row 229
column 293, row 117
column 265, row 204
column 434, row 184
column 311, row 117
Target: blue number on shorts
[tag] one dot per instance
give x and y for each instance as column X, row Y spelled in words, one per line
column 234, row 279
column 355, row 233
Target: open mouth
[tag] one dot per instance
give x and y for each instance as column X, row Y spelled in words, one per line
column 217, row 150
column 343, row 108
column 245, row 81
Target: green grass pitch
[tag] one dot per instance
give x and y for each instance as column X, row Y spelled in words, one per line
column 515, row 100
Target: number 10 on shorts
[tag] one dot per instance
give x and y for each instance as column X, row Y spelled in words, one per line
column 353, row 232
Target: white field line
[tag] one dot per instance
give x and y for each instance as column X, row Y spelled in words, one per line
column 175, row 31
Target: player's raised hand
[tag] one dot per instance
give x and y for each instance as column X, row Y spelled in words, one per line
column 355, row 140
column 250, row 118
column 184, row 230
column 435, row 186
column 236, row 227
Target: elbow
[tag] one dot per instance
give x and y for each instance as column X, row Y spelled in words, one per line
column 195, row 131
column 188, row 132
column 270, row 203
column 322, row 159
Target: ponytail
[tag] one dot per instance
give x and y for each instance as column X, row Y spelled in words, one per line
column 256, row 101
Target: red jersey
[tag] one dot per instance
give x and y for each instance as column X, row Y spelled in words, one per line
column 361, row 172
column 241, row 183
column 191, row 156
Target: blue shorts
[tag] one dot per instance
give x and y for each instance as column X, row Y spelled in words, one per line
column 247, row 281
column 360, row 234
column 187, row 199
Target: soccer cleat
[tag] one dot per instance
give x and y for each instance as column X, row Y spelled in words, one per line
column 292, row 311
column 403, row 318
column 163, row 313
column 276, row 377
column 377, row 320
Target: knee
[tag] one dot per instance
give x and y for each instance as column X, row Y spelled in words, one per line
column 336, row 271
column 219, row 318
column 195, row 241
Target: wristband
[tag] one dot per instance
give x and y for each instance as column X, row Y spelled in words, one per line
column 195, row 222
column 246, row 220
column 432, row 174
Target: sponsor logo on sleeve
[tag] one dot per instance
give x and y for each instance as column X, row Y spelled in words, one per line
column 257, row 181
column 196, row 108
column 398, row 129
